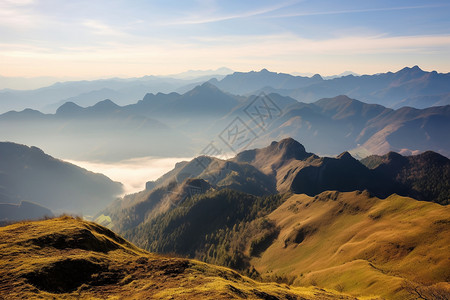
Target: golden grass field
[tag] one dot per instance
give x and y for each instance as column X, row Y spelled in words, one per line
column 68, row 258
column 361, row 245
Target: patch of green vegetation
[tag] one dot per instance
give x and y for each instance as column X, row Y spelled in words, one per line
column 215, row 227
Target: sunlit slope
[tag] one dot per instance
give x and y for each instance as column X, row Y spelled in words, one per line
column 68, row 258
column 360, row 244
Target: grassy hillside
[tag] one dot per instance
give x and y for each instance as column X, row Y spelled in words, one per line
column 360, row 244
column 68, row 258
column 349, row 241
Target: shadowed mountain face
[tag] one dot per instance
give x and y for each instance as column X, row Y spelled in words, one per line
column 423, row 176
column 30, row 174
column 298, row 171
column 72, row 258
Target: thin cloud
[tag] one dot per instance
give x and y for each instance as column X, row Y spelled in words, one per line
column 353, row 11
column 15, row 14
column 99, row 28
column 225, row 17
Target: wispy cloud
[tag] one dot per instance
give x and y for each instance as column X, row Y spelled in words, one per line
column 99, row 28
column 354, row 11
column 160, row 56
column 16, row 14
column 206, row 18
column 37, row 38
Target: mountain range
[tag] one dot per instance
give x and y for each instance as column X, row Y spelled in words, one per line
column 285, row 167
column 329, row 126
column 406, row 87
column 246, row 211
column 358, row 209
column 87, row 93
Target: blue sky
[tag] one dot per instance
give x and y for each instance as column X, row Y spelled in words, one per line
column 90, row 39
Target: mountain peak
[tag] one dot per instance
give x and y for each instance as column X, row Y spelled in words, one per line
column 106, row 104
column 209, row 85
column 290, row 148
column 414, row 69
column 277, row 153
column 206, row 87
column 345, row 155
column 68, row 108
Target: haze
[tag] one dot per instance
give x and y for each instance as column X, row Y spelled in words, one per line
column 132, row 173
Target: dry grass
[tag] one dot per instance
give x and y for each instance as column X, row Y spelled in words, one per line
column 359, row 244
column 68, row 258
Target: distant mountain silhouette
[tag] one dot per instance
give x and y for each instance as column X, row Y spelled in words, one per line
column 104, row 131
column 87, row 93
column 329, row 126
column 244, row 83
column 204, row 100
column 334, row 125
column 406, row 87
column 28, row 174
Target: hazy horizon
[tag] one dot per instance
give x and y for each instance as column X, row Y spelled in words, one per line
column 89, row 40
column 36, row 82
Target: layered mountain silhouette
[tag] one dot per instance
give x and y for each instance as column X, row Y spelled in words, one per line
column 334, row 125
column 406, row 87
column 27, row 175
column 87, row 93
column 244, row 83
column 159, row 124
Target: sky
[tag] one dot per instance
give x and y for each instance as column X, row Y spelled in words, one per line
column 99, row 39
